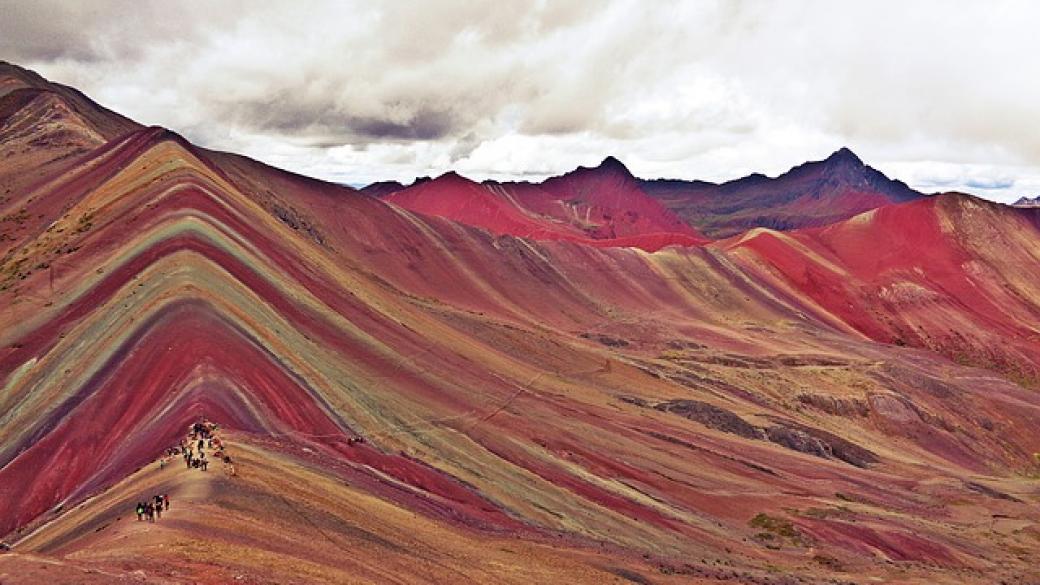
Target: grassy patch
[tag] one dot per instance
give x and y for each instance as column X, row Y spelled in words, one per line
column 828, row 562
column 776, row 531
column 824, row 513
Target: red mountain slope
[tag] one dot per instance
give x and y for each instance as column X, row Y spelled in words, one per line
column 950, row 273
column 602, row 206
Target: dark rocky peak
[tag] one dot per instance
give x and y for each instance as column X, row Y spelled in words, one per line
column 844, row 156
column 613, row 164
column 610, row 166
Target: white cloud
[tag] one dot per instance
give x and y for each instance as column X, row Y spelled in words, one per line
column 934, row 93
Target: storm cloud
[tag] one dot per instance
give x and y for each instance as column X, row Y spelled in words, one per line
column 938, row 94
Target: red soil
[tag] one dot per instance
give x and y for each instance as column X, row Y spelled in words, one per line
column 601, row 207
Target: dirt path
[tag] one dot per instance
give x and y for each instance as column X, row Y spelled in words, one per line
column 109, row 517
column 186, row 488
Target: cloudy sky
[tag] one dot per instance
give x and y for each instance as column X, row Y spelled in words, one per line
column 944, row 95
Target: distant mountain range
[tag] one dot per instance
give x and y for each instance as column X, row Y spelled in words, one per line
column 602, row 206
column 607, row 201
column 811, row 194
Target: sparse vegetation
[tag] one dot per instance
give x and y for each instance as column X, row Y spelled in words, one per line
column 828, row 562
column 85, row 223
column 777, row 531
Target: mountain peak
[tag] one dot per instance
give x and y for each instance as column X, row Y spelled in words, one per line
column 452, row 177
column 611, row 163
column 448, row 179
column 21, row 77
column 844, row 155
column 1027, row 202
column 9, row 68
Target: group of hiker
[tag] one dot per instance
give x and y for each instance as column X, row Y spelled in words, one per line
column 153, row 508
column 195, row 456
column 201, row 436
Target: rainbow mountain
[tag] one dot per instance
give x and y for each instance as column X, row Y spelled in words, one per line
column 573, row 381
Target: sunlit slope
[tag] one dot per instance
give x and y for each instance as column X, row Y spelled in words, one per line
column 951, row 273
column 288, row 517
column 46, row 130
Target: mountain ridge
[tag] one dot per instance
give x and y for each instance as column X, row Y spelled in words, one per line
column 810, row 194
column 600, row 205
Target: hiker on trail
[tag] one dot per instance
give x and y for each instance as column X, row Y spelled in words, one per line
column 229, row 469
column 140, row 510
column 158, row 505
column 162, row 463
column 149, row 511
column 187, row 460
column 202, row 443
column 166, row 501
